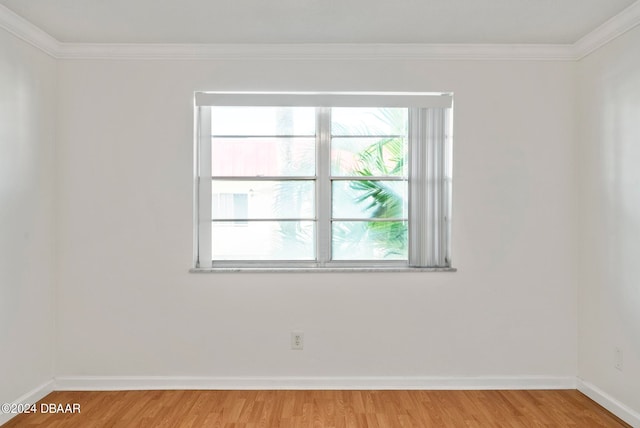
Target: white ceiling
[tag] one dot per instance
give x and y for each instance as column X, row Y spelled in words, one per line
column 317, row 21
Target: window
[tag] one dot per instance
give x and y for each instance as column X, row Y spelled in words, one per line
column 339, row 180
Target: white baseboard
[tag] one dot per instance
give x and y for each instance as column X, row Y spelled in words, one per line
column 619, row 409
column 30, row 397
column 107, row 383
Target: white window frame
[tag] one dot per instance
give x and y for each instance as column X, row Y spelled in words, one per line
column 430, row 179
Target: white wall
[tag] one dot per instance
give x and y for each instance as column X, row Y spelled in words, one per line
column 609, row 173
column 128, row 306
column 27, row 129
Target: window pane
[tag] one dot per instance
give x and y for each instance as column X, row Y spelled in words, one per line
column 269, row 121
column 263, row 240
column 263, row 199
column 369, row 199
column 263, row 156
column 367, row 240
column 369, row 121
column 230, row 205
column 369, row 156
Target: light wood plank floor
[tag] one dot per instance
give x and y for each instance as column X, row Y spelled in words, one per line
column 567, row 408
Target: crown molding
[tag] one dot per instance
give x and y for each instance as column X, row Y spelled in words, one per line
column 24, row 30
column 613, row 28
column 315, row 51
column 608, row 31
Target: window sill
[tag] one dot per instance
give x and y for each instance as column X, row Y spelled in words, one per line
column 318, row 269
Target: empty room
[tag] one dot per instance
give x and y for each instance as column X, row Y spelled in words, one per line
column 319, row 213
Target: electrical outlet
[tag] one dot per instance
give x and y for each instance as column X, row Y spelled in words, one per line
column 618, row 358
column 297, row 340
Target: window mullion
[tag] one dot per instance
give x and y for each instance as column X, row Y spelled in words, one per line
column 323, row 189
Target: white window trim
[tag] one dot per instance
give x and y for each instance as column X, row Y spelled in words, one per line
column 430, row 181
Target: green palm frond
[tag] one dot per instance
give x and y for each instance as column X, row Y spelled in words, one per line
column 386, row 157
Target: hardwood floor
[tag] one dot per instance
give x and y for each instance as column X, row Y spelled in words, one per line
column 566, row 408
